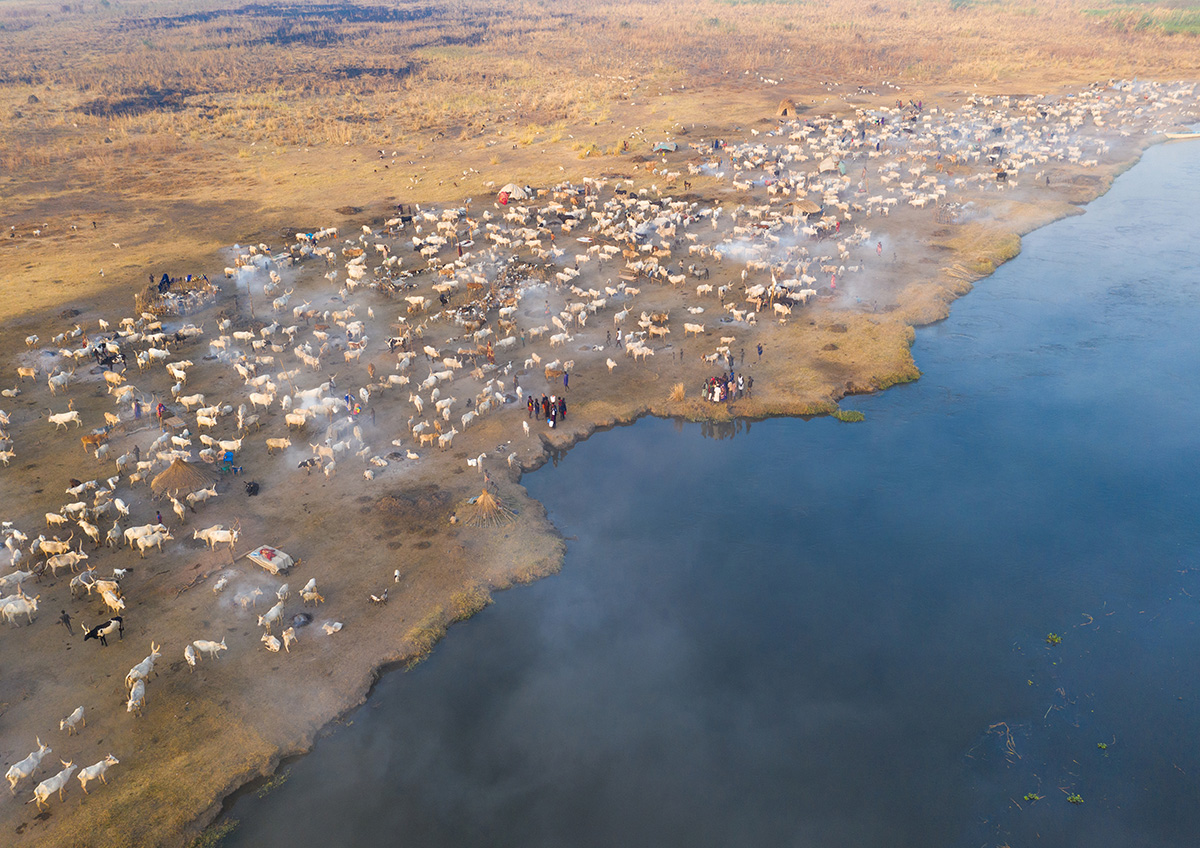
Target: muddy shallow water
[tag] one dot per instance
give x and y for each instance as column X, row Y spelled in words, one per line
column 814, row 633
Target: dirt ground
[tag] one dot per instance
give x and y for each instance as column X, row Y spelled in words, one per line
column 206, row 732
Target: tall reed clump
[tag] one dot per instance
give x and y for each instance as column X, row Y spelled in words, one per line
column 466, row 603
column 425, row 634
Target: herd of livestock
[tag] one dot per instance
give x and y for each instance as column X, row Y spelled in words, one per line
column 435, row 318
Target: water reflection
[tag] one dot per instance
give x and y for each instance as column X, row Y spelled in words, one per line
column 722, row 429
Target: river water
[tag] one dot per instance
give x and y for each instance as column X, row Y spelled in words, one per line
column 818, row 634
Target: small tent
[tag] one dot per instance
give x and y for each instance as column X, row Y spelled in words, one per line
column 180, row 477
column 787, row 108
column 512, row 191
column 666, row 147
column 828, row 166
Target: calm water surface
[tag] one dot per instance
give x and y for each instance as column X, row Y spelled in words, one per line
column 818, row 634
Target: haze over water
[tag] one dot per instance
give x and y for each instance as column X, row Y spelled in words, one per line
column 831, row 635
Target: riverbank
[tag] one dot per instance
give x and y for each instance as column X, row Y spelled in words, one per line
column 192, row 748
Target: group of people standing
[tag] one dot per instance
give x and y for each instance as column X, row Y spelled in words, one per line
column 553, row 409
column 727, row 387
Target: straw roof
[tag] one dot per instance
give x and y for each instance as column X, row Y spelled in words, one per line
column 806, row 206
column 787, row 108
column 179, row 477
column 489, row 511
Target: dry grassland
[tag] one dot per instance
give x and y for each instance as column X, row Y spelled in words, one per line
column 141, row 137
column 180, row 127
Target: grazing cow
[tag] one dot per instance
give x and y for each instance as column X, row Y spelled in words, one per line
column 137, row 698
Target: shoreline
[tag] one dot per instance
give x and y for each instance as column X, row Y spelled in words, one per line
column 647, row 398
column 285, row 758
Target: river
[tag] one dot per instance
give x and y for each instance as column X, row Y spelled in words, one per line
column 822, row 634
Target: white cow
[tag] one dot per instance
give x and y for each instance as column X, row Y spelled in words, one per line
column 213, row 649
column 26, row 767
column 216, row 535
column 274, row 616
column 71, row 722
column 53, row 784
column 137, row 698
column 97, row 771
column 62, row 418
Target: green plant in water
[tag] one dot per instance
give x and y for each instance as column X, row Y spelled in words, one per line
column 273, row 783
column 1053, row 639
column 215, row 835
column 1033, row 796
column 1075, row 798
column 849, row 415
column 1103, row 746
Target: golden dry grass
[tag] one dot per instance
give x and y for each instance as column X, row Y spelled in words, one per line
column 197, row 123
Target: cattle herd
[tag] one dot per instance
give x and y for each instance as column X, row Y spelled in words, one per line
column 366, row 354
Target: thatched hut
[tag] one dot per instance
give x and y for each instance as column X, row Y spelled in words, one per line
column 180, row 477
column 787, row 108
column 806, row 207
